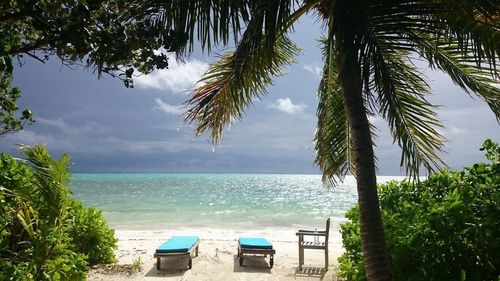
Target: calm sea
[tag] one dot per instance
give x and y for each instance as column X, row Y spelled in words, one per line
column 158, row 201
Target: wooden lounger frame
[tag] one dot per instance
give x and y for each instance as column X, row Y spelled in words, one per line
column 193, row 252
column 252, row 251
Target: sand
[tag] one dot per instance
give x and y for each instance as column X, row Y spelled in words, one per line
column 217, row 259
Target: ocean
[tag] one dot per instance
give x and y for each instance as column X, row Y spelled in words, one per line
column 169, row 201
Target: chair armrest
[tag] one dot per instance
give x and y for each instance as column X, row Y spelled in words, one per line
column 311, row 233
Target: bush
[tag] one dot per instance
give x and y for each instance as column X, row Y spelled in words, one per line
column 444, row 228
column 91, row 235
column 45, row 234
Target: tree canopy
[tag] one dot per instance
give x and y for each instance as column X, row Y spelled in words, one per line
column 113, row 37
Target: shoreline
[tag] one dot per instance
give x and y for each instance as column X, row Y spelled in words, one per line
column 217, row 256
column 224, row 233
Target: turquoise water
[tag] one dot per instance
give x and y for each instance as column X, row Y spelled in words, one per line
column 157, row 201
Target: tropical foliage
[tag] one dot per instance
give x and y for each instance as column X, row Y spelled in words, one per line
column 90, row 234
column 45, row 233
column 370, row 53
column 443, row 228
column 9, row 119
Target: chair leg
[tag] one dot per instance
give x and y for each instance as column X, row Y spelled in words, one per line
column 240, row 256
column 158, row 263
column 301, row 257
column 326, row 259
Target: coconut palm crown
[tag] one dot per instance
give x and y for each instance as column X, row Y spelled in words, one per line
column 369, row 50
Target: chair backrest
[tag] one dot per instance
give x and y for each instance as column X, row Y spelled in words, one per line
column 327, row 231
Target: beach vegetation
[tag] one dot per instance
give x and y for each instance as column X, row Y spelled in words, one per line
column 443, row 228
column 40, row 219
column 136, row 265
column 11, row 120
column 90, row 234
column 371, row 51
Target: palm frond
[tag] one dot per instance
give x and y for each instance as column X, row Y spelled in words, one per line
column 332, row 137
column 215, row 22
column 474, row 26
column 230, row 85
column 462, row 68
column 210, row 21
column 51, row 181
column 456, row 36
column 401, row 101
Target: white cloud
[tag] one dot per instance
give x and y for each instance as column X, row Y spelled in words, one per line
column 179, row 77
column 168, row 108
column 286, row 105
column 374, row 119
column 88, row 128
column 457, row 130
column 315, row 69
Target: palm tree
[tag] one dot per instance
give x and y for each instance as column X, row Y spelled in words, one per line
column 369, row 48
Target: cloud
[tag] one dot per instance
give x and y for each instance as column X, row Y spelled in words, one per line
column 315, row 69
column 179, row 77
column 375, row 120
column 59, row 125
column 78, row 140
column 457, row 130
column 167, row 108
column 286, row 105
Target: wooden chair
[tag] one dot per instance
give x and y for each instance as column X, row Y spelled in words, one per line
column 312, row 245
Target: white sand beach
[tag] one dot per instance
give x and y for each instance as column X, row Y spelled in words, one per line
column 217, row 258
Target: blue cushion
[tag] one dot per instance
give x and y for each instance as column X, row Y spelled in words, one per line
column 254, row 243
column 178, row 244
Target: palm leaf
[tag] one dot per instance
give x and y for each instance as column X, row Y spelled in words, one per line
column 462, row 45
column 215, row 22
column 51, row 181
column 410, row 116
column 462, row 68
column 401, row 101
column 230, row 85
column 210, row 21
column 332, row 138
column 474, row 26
column 28, row 218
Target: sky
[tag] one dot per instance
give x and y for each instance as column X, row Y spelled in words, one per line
column 106, row 127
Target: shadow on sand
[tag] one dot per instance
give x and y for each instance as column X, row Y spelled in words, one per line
column 318, row 272
column 251, row 264
column 170, row 267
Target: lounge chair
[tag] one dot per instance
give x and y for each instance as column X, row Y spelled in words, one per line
column 178, row 246
column 317, row 245
column 255, row 246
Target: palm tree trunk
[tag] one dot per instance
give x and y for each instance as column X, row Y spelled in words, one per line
column 373, row 244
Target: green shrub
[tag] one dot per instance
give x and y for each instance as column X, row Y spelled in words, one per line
column 15, row 183
column 91, row 235
column 45, row 234
column 444, row 228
